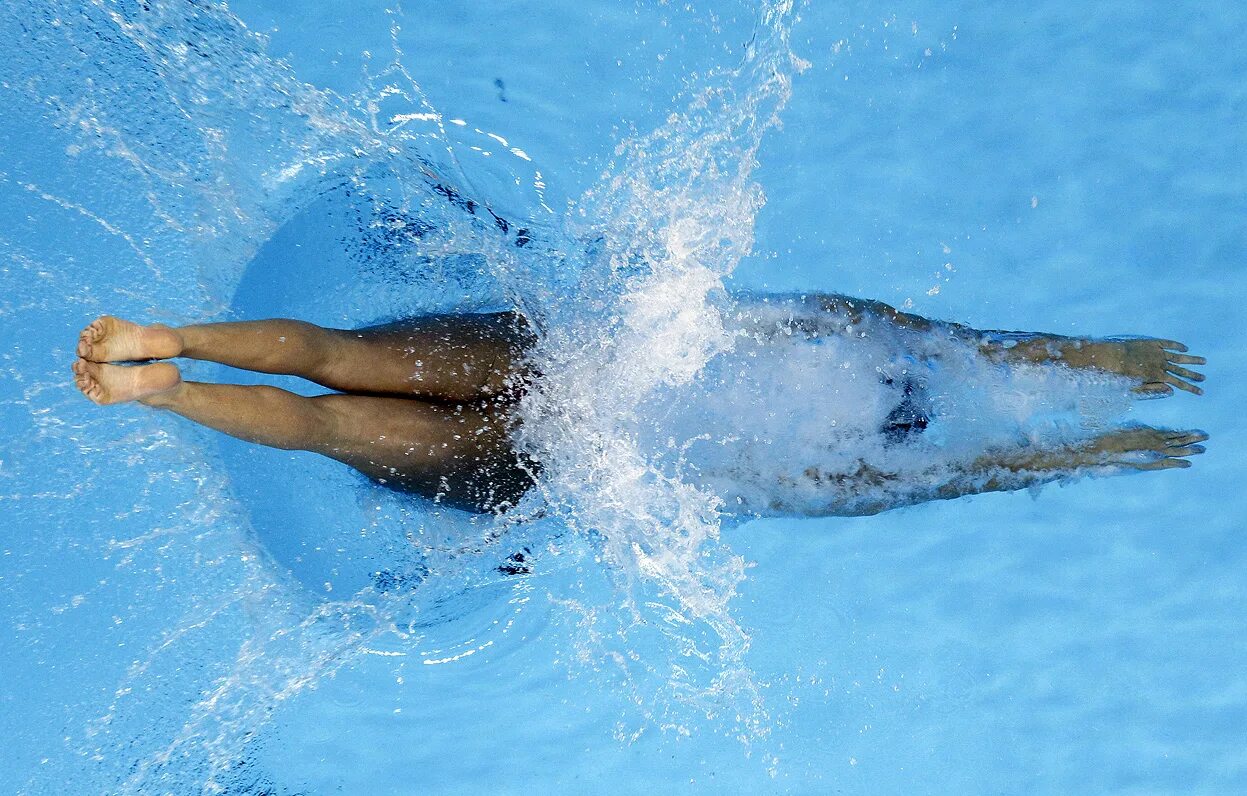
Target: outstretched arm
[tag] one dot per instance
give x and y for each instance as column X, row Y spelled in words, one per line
column 1156, row 365
column 867, row 490
column 1136, row 449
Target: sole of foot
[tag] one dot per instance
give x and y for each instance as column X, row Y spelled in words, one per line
column 110, row 339
column 1146, row 448
column 116, row 384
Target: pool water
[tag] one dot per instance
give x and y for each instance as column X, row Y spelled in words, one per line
column 184, row 613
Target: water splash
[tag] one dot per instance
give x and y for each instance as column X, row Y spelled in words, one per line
column 671, row 218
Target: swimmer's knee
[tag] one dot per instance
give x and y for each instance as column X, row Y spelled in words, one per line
column 331, row 424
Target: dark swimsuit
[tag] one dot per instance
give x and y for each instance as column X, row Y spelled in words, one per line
column 911, row 416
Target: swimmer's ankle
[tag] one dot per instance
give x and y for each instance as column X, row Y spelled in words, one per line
column 165, row 398
column 175, row 334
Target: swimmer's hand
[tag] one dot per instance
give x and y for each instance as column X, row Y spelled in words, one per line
column 1157, row 365
column 1142, row 448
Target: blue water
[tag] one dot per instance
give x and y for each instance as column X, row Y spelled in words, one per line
column 182, row 613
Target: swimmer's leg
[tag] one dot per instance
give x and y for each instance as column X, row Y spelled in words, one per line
column 445, row 357
column 1138, row 448
column 460, row 455
column 1156, row 365
column 451, row 357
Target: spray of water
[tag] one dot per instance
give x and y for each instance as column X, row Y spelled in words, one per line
column 671, row 218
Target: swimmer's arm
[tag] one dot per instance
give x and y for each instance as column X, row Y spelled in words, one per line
column 1120, row 450
column 1000, row 472
column 998, row 345
column 1156, row 365
column 877, row 491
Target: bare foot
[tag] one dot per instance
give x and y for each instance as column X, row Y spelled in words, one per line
column 115, row 384
column 109, row 339
column 1143, row 448
column 1157, row 365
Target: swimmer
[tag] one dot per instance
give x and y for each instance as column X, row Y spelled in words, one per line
column 427, row 404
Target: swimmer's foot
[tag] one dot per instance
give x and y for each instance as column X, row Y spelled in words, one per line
column 115, row 384
column 110, row 339
column 1158, row 366
column 1142, row 448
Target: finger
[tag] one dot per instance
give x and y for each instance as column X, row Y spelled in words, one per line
column 1155, row 389
column 1187, row 437
column 1187, row 359
column 1181, row 385
column 1164, row 464
column 1185, row 450
column 1173, row 344
column 1184, row 373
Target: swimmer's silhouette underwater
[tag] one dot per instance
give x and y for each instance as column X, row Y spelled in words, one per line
column 427, row 405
